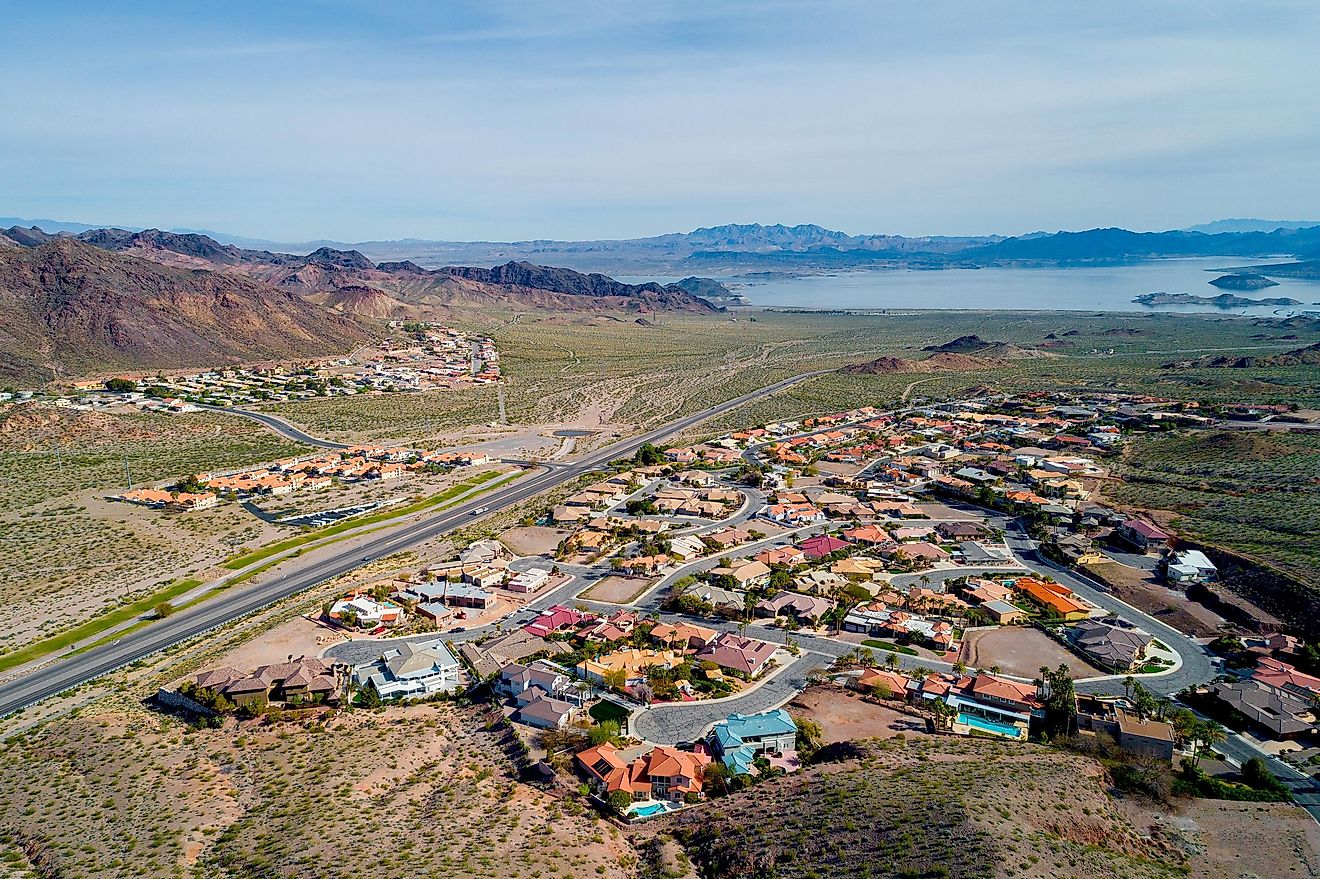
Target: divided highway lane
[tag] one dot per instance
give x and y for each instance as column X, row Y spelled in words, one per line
column 63, row 674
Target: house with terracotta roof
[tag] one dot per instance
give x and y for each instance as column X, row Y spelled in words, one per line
column 987, row 704
column 633, row 662
column 664, row 774
column 880, row 680
column 612, row 629
column 872, row 534
column 781, row 555
column 1053, row 598
column 682, row 636
column 1282, row 676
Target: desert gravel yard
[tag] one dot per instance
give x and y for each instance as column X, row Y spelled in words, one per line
column 845, row 716
column 617, row 590
column 1021, row 652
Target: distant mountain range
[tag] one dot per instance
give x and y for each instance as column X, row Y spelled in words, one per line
column 75, row 299
column 69, row 308
column 112, row 299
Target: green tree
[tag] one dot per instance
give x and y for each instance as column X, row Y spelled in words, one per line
column 620, row 800
column 369, row 696
column 1060, row 701
column 649, row 455
column 163, row 610
column 809, row 736
column 120, row 385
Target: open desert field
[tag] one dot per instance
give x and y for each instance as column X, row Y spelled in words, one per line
column 606, row 372
column 533, row 539
column 959, row 808
column 1021, row 651
column 845, row 717
column 122, row 791
column 69, row 552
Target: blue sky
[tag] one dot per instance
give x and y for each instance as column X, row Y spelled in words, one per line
column 493, row 120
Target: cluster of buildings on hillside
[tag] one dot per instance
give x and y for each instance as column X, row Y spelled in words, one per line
column 434, row 357
column 313, row 472
column 478, row 582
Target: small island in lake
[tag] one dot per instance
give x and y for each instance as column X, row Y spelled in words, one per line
column 1223, row 300
column 1243, row 281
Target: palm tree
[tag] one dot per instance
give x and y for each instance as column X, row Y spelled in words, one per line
column 891, row 661
column 1211, row 734
column 1128, row 683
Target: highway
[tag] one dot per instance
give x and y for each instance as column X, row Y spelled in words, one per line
column 49, row 680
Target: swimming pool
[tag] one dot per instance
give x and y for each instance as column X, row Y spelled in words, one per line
column 650, row 810
column 999, row 729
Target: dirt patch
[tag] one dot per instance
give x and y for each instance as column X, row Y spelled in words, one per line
column 617, row 590
column 533, row 539
column 936, row 806
column 845, row 716
column 282, row 798
column 297, row 637
column 1020, row 652
column 1228, row 840
column 1141, row 590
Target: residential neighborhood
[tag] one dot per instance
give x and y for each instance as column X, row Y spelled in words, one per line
column 934, row 561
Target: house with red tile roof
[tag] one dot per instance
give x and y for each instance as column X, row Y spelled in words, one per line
column 553, row 619
column 1282, row 676
column 1053, row 597
column 664, row 774
column 872, row 534
column 821, row 545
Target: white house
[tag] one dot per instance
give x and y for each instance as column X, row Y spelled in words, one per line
column 1191, row 566
column 411, row 671
column 529, row 581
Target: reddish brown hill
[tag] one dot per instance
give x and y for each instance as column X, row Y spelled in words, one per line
column 341, row 279
column 71, row 308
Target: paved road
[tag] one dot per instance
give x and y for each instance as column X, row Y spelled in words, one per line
column 279, row 425
column 676, row 722
column 1196, row 666
column 939, row 576
column 1304, row 788
column 61, row 675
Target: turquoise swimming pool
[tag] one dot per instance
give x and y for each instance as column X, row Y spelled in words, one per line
column 649, row 810
column 999, row 729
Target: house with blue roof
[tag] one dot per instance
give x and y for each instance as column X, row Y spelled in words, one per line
column 740, row 739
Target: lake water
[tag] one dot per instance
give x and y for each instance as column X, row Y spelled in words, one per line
column 1109, row 288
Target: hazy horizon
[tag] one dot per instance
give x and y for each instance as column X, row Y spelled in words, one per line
column 506, row 121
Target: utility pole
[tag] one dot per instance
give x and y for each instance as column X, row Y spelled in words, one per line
column 128, row 477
